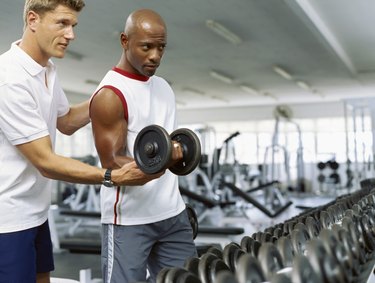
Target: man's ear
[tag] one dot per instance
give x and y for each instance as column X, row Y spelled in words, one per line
column 32, row 20
column 124, row 40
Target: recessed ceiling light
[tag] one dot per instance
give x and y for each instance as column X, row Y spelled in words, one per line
column 303, row 85
column 248, row 89
column 223, row 32
column 221, row 77
column 282, row 72
column 192, row 90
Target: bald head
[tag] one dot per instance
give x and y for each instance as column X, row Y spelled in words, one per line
column 144, row 19
column 143, row 41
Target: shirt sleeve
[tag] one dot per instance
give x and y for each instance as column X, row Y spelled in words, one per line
column 20, row 118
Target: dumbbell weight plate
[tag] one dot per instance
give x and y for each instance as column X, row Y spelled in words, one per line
column 321, row 165
column 299, row 238
column 302, row 271
column 367, row 232
column 285, row 247
column 152, row 149
column 230, row 255
column 270, row 259
column 225, row 277
column 187, row 277
column 250, row 245
column 278, row 232
column 191, row 264
column 160, row 278
column 179, row 274
column 350, row 247
column 337, row 250
column 216, row 251
column 193, row 219
column 249, row 270
column 323, row 263
column 325, row 219
column 356, row 236
column 215, row 267
column 191, row 148
column 204, row 267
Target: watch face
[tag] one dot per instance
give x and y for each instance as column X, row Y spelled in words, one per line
column 107, row 183
column 107, row 178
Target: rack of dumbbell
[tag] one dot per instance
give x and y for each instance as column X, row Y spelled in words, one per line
column 334, row 242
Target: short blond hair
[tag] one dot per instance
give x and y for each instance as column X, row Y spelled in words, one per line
column 43, row 6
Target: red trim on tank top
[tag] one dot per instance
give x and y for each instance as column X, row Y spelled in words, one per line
column 130, row 75
column 116, row 204
column 119, row 94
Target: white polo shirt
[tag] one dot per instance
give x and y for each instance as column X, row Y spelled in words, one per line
column 28, row 111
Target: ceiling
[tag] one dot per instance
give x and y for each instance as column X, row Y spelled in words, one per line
column 327, row 44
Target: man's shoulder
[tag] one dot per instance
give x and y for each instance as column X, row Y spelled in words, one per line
column 6, row 67
column 160, row 80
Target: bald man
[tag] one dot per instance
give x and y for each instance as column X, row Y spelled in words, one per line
column 144, row 227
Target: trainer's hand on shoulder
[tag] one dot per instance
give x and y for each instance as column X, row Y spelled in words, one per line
column 130, row 175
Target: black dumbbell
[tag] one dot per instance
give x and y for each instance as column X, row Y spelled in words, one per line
column 193, row 219
column 153, row 150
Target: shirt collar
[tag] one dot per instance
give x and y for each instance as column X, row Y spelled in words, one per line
column 130, row 75
column 28, row 63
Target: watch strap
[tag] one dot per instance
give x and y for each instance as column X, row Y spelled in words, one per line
column 107, row 178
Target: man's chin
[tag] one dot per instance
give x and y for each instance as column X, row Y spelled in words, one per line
column 149, row 74
column 59, row 55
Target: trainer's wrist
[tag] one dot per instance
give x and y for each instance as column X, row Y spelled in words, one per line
column 107, row 179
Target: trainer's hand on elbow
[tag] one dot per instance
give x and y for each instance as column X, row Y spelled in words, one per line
column 130, row 175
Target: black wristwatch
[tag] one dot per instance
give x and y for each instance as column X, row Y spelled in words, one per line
column 107, row 178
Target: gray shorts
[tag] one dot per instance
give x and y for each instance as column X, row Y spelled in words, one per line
column 129, row 251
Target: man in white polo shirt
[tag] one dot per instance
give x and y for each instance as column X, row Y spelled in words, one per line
column 32, row 106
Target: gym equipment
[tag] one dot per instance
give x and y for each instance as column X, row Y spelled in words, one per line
column 323, row 263
column 153, row 150
column 209, row 266
column 250, row 245
column 228, row 181
column 328, row 178
column 299, row 237
column 285, row 248
column 284, row 113
column 231, row 253
column 216, row 251
column 331, row 243
column 273, row 211
column 270, row 259
column 225, row 277
column 249, row 270
column 193, row 219
column 359, row 120
column 302, row 271
column 178, row 274
column 210, row 203
column 192, row 264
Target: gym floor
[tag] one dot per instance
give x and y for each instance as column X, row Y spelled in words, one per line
column 68, row 265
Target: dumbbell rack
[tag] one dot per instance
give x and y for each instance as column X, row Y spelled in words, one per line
column 334, row 242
